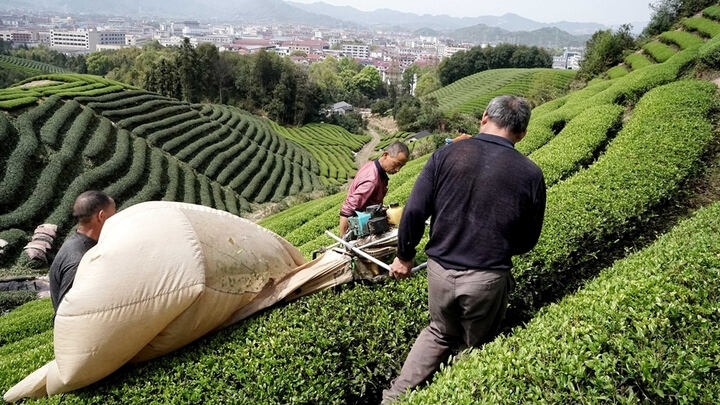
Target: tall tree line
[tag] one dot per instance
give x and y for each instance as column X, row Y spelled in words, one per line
column 478, row 59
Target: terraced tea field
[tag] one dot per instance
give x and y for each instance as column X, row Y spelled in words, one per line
column 472, row 93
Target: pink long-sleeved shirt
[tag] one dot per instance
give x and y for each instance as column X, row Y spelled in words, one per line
column 367, row 188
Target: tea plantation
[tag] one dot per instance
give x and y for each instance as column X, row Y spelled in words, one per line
column 332, row 146
column 472, row 93
column 66, row 133
column 28, row 66
column 617, row 154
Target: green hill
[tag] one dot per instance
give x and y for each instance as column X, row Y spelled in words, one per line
column 62, row 134
column 619, row 161
column 471, row 94
column 28, row 66
column 332, row 146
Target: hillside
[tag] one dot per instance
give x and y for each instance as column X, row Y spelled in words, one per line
column 29, row 67
column 621, row 170
column 472, row 93
column 65, row 133
column 332, row 146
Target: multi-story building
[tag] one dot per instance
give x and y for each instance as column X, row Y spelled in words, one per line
column 17, row 37
column 76, row 40
column 111, row 38
column 568, row 60
column 356, row 51
column 86, row 40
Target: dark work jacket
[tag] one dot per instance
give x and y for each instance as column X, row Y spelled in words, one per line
column 486, row 200
column 63, row 268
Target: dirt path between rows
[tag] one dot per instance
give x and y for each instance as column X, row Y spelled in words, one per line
column 364, row 154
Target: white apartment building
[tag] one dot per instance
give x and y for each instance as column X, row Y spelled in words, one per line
column 452, row 50
column 86, row 40
column 76, row 40
column 356, row 51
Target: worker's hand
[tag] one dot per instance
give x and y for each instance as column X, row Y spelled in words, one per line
column 461, row 137
column 400, row 269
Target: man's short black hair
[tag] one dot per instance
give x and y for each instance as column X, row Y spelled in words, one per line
column 89, row 203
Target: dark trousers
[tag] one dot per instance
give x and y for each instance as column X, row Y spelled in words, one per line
column 466, row 308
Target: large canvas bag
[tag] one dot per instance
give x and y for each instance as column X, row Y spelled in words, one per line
column 162, row 275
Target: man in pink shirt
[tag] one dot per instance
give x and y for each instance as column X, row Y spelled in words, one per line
column 370, row 183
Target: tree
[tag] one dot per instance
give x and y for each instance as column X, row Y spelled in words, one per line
column 368, row 82
column 187, row 69
column 98, row 63
column 605, row 49
column 477, row 59
column 5, row 47
column 666, row 12
column 427, row 83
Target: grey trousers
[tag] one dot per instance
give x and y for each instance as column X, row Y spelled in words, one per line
column 466, row 309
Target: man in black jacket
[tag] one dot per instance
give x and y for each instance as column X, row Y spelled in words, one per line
column 91, row 209
column 487, row 203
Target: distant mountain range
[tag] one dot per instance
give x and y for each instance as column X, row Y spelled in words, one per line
column 483, row 29
column 387, row 17
column 545, row 37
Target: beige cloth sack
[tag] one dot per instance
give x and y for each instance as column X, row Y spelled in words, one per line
column 162, row 275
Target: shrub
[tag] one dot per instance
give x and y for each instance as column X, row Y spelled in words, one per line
column 260, row 176
column 712, row 12
column 681, row 38
column 218, row 196
column 93, row 177
column 710, row 52
column 704, row 26
column 45, row 187
column 18, row 159
column 617, row 71
column 659, row 51
column 99, row 140
column 183, row 138
column 625, row 90
column 231, row 201
column 189, row 185
column 213, row 150
column 155, row 131
column 153, row 185
column 643, row 167
column 205, row 194
column 29, row 319
column 271, row 183
column 644, row 331
column 134, row 173
column 10, row 300
column 50, row 129
column 221, row 157
column 637, row 61
column 17, row 102
column 194, row 148
column 241, row 162
column 113, row 100
column 156, row 115
column 122, row 111
column 173, row 173
column 577, row 143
